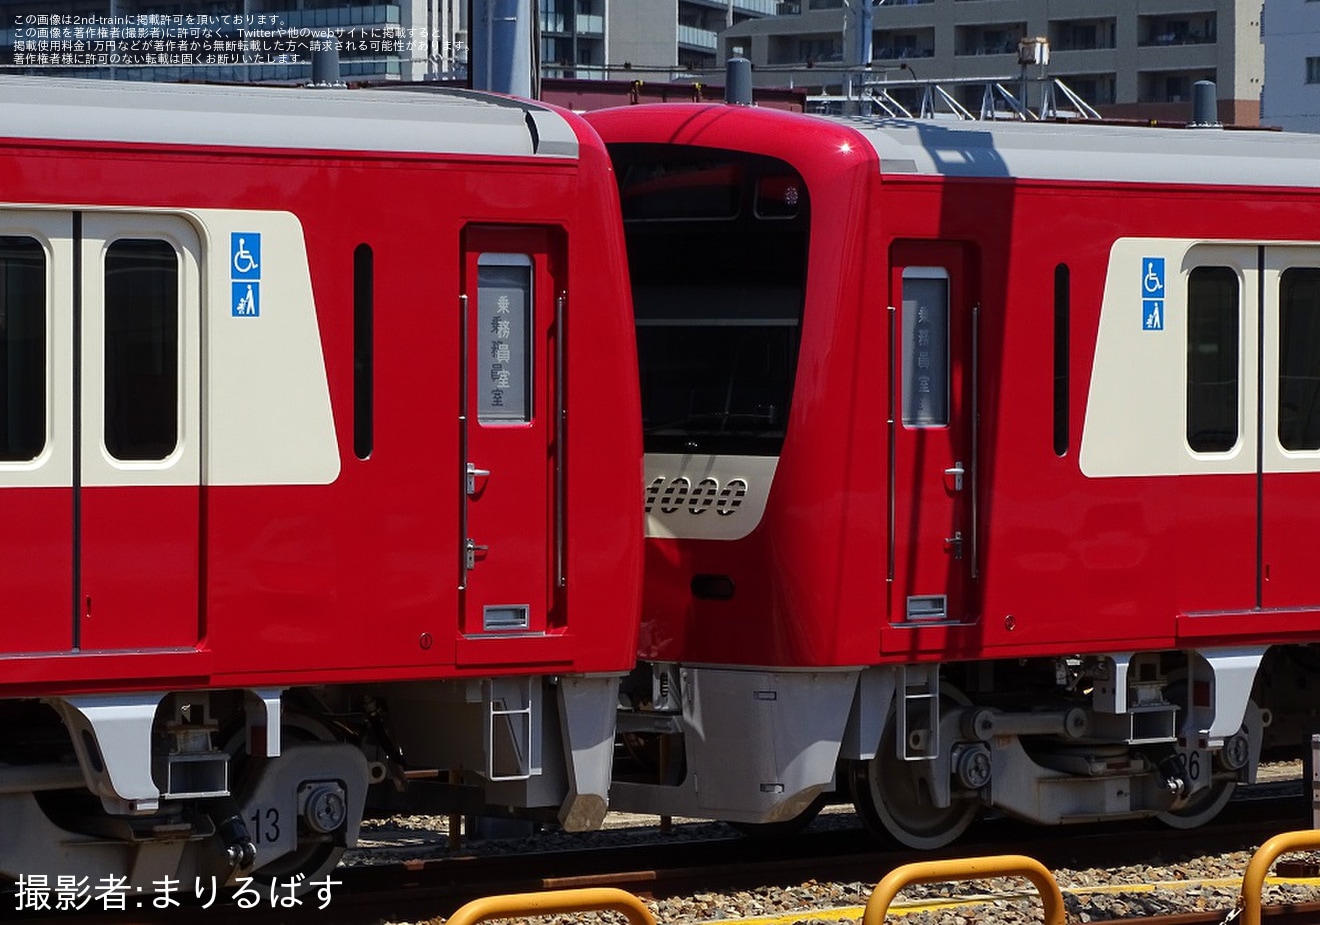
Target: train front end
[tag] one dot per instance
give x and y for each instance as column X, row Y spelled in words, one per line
column 744, row 630
column 935, row 515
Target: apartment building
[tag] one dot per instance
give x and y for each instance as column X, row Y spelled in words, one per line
column 271, row 40
column 1291, row 30
column 1127, row 58
column 638, row 39
column 231, row 40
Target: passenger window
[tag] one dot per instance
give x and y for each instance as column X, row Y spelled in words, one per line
column 364, row 351
column 925, row 347
column 141, row 349
column 1213, row 346
column 1062, row 301
column 22, row 349
column 1299, row 359
column 504, row 347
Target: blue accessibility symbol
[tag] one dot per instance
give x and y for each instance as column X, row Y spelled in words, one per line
column 1152, row 293
column 245, row 299
column 245, row 255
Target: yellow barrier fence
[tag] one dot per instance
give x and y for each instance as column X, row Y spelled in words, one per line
column 1004, row 865
column 1254, row 882
column 608, row 899
column 554, row 902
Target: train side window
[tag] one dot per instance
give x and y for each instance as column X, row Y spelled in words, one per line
column 141, row 349
column 22, row 349
column 1062, row 300
column 1299, row 359
column 364, row 297
column 504, row 346
column 1213, row 347
column 925, row 347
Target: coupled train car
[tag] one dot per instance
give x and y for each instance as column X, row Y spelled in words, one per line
column 982, row 465
column 293, row 507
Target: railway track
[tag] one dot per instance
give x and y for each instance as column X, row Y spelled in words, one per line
column 426, row 890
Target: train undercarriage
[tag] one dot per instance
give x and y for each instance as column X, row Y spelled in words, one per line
column 211, row 790
column 923, row 750
column 215, row 787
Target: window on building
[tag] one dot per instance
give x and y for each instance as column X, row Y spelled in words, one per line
column 1313, row 70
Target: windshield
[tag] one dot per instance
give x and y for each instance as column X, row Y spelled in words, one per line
column 717, row 251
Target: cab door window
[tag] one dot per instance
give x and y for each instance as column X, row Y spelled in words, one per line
column 925, row 347
column 504, row 323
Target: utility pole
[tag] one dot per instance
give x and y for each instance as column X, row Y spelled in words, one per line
column 857, row 20
column 862, row 22
column 500, row 56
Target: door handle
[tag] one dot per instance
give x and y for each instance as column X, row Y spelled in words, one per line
column 957, row 471
column 470, row 553
column 473, row 473
column 955, row 544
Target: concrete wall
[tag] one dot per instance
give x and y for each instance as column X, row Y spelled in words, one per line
column 954, row 41
column 1292, row 34
column 643, row 33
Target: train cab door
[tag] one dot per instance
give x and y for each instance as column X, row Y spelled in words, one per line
column 510, row 473
column 932, row 475
column 138, row 480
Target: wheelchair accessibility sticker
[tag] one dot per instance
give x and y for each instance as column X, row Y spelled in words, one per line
column 245, row 273
column 246, row 299
column 1152, row 293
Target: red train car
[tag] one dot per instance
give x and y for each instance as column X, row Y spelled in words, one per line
column 293, row 505
column 981, row 459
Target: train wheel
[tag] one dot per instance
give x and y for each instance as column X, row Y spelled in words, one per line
column 311, row 861
column 1201, row 808
column 1210, row 802
column 316, row 855
column 894, row 800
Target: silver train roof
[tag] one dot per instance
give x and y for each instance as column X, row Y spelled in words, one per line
column 397, row 121
column 1093, row 151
